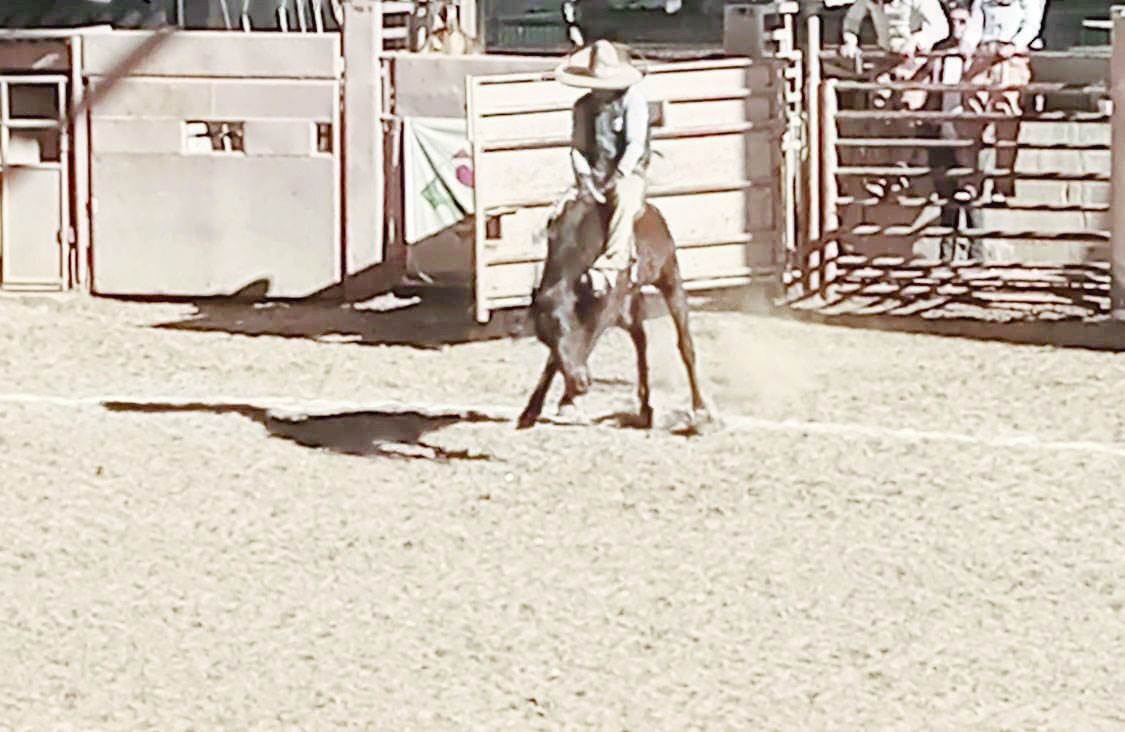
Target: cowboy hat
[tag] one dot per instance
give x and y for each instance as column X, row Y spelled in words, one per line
column 601, row 65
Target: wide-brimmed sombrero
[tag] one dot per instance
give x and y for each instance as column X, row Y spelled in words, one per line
column 601, row 65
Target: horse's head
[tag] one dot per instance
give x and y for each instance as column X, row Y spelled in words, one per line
column 561, row 303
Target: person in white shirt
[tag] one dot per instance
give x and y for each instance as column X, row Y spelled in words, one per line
column 907, row 28
column 904, row 27
column 997, row 44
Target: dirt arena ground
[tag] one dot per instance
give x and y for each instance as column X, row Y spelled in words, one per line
column 205, row 530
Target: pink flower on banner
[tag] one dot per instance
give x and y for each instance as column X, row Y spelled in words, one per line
column 463, row 164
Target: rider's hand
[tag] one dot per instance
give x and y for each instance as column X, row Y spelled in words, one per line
column 587, row 187
column 1005, row 50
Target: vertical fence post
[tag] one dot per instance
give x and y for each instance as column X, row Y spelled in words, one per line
column 362, row 139
column 80, row 154
column 829, row 221
column 790, row 77
column 1117, row 250
column 812, row 99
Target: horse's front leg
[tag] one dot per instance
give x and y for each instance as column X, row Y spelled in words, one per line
column 534, row 406
column 640, row 343
column 671, row 287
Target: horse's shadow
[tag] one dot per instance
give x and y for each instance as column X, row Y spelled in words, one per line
column 432, row 322
column 386, row 434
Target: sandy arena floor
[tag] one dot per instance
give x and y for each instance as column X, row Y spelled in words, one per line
column 904, row 532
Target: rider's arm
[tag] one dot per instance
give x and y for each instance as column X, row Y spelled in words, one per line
column 853, row 19
column 636, row 130
column 935, row 26
column 580, row 164
column 1033, row 11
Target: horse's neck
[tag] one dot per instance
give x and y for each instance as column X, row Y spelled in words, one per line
column 581, row 229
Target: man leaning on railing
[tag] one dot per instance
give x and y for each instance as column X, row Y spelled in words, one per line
column 997, row 43
column 909, row 29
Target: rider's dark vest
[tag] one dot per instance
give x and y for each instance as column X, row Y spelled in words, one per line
column 599, row 134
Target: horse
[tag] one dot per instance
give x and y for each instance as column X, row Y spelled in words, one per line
column 569, row 318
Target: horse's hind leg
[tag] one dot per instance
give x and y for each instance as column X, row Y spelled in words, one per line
column 672, row 288
column 640, row 342
column 534, row 406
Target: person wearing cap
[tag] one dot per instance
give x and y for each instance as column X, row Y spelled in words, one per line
column 997, row 42
column 611, row 147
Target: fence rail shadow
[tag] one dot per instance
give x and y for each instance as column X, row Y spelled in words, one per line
column 1033, row 304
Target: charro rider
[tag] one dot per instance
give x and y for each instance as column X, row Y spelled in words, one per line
column 610, row 149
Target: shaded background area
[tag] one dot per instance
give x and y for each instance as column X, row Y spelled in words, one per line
column 67, row 13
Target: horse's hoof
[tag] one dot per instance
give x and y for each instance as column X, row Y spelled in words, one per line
column 627, row 420
column 571, row 414
column 526, row 421
column 705, row 420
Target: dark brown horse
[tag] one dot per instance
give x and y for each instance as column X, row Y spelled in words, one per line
column 569, row 318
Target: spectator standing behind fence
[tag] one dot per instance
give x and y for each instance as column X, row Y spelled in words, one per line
column 948, row 68
column 997, row 42
column 907, row 30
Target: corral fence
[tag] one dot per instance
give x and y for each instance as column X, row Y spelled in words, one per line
column 199, row 163
column 194, row 163
column 884, row 233
column 298, row 164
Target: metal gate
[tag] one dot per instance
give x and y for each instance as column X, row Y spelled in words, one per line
column 34, row 210
column 215, row 163
column 718, row 172
column 1042, row 248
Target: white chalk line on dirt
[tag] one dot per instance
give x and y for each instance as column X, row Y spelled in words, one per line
column 313, row 407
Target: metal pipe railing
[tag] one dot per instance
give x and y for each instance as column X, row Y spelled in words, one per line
column 1032, row 88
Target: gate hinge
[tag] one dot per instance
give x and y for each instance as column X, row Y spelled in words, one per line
column 68, row 237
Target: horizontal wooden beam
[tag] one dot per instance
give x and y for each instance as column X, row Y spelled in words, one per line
column 905, row 231
column 1045, row 87
column 904, row 115
column 751, row 237
column 508, row 207
column 1010, row 205
column 659, row 133
column 733, row 95
column 860, row 260
column 963, row 143
column 911, row 171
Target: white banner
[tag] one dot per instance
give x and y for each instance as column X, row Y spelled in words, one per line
column 438, row 175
